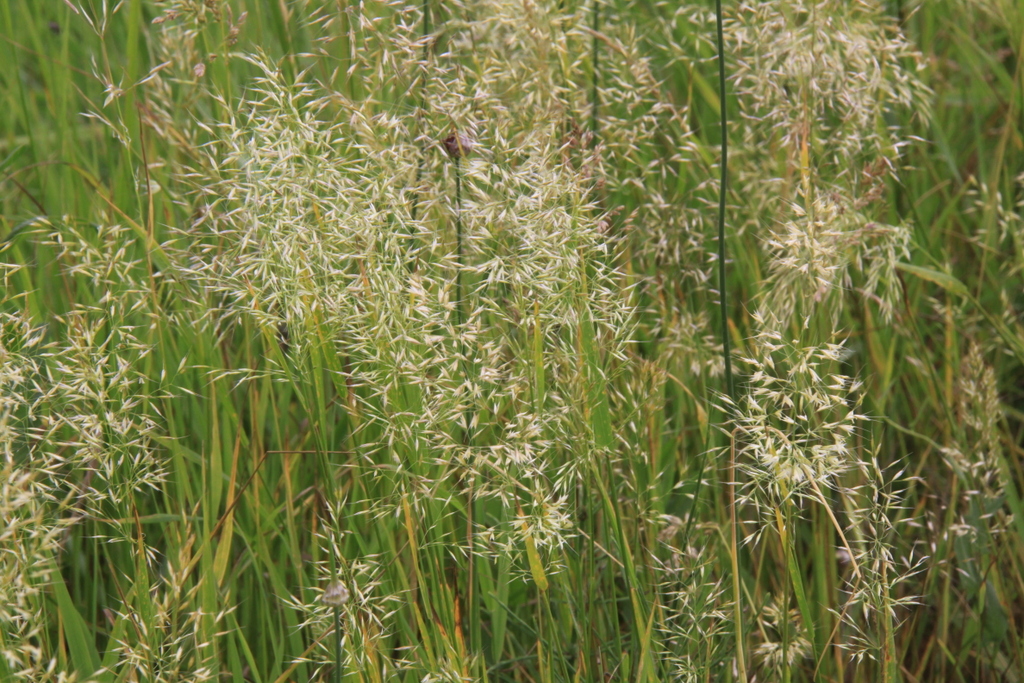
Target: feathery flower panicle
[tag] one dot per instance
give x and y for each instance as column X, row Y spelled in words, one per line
column 30, row 538
column 984, row 202
column 818, row 82
column 168, row 638
column 980, row 410
column 318, row 233
column 74, row 437
column 20, row 343
column 95, row 424
column 797, row 423
column 813, row 254
column 695, row 632
column 776, row 652
column 818, row 75
column 72, row 414
column 797, row 432
column 876, row 595
column 193, row 11
column 546, row 524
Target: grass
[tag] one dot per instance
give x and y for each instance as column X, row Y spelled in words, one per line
column 293, row 391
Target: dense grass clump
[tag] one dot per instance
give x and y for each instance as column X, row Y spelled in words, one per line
column 399, row 341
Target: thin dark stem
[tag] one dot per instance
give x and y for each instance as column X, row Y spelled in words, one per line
column 723, row 186
column 422, row 113
column 337, row 644
column 458, row 242
column 721, row 256
column 734, row 554
column 595, row 56
column 730, row 387
column 467, row 432
column 692, row 515
column 459, row 313
column 426, row 28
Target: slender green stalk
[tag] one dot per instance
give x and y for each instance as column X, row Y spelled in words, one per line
column 336, row 595
column 723, row 186
column 734, row 555
column 595, row 97
column 458, row 241
column 424, row 36
column 786, row 536
column 459, row 313
column 338, row 662
column 422, row 113
column 730, row 387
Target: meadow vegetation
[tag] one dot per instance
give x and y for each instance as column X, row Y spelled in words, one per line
column 382, row 341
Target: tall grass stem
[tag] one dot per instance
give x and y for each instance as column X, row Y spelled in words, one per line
column 723, row 186
column 337, row 645
column 595, row 59
column 734, row 555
